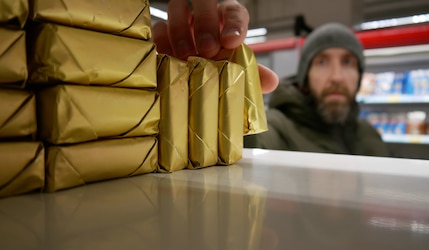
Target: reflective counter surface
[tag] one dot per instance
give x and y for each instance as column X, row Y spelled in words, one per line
column 268, row 200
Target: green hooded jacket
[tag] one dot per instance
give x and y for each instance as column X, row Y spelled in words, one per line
column 294, row 124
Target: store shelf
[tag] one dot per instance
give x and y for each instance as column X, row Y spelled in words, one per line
column 392, row 99
column 401, row 58
column 414, row 139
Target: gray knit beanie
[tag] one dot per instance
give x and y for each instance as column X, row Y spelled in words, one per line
column 328, row 36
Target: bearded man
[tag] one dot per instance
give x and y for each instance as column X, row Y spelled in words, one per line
column 316, row 111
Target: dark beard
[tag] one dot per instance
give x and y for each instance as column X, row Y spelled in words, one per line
column 333, row 112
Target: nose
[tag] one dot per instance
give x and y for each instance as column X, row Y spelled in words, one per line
column 336, row 73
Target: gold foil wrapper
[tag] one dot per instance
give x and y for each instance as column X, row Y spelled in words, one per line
column 231, row 105
column 203, row 112
column 22, row 167
column 126, row 17
column 173, row 75
column 255, row 120
column 75, row 165
column 72, row 55
column 13, row 13
column 13, row 58
column 74, row 113
column 18, row 114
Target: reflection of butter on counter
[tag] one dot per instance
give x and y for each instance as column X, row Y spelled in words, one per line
column 215, row 206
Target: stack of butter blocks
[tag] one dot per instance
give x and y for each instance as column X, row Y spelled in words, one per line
column 93, row 69
column 193, row 105
column 207, row 106
column 85, row 97
column 21, row 155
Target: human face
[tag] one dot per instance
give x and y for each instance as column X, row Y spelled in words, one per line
column 333, row 81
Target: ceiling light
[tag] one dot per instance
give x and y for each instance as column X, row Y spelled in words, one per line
column 256, row 32
column 394, row 22
column 158, row 13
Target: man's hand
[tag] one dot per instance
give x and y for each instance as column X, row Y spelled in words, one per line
column 204, row 30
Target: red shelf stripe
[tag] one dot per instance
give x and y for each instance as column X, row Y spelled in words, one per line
column 392, row 37
column 371, row 39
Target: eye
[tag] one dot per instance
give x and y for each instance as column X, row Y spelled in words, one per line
column 349, row 61
column 319, row 61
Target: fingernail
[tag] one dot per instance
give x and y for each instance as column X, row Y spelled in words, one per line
column 231, row 32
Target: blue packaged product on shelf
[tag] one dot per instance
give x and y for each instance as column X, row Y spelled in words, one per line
column 374, row 118
column 409, row 82
column 397, row 83
column 398, row 124
column 426, row 81
column 417, row 82
column 400, row 128
column 384, row 83
column 384, row 123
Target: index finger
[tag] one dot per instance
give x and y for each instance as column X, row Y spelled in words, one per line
column 180, row 33
column 235, row 20
column 206, row 27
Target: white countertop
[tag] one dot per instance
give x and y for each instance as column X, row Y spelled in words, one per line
column 268, row 200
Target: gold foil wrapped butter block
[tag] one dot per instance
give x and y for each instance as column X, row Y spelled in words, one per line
column 255, row 120
column 126, row 17
column 231, row 105
column 18, row 114
column 22, row 167
column 13, row 58
column 72, row 55
column 74, row 113
column 75, row 165
column 13, row 13
column 173, row 75
column 203, row 112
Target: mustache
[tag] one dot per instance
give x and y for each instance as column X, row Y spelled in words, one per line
column 335, row 89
